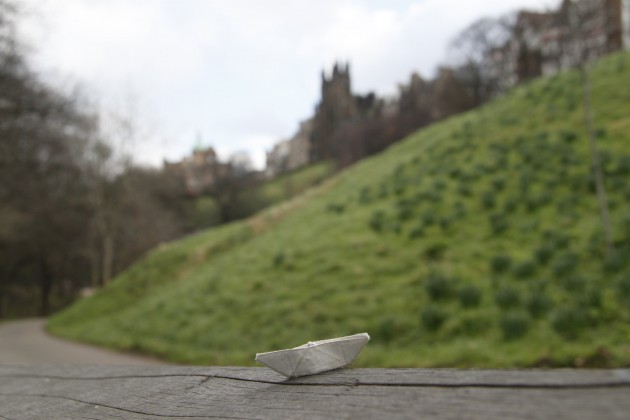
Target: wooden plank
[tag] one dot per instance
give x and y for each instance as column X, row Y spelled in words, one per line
column 105, row 392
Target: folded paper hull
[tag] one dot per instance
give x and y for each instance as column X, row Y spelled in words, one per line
column 315, row 357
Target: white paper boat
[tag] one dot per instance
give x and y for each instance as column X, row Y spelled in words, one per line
column 315, row 356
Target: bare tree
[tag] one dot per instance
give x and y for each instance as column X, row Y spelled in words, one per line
column 476, row 52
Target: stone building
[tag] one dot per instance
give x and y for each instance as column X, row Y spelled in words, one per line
column 338, row 106
column 545, row 43
column 291, row 154
column 197, row 172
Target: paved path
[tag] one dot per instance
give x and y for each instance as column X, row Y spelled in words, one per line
column 26, row 342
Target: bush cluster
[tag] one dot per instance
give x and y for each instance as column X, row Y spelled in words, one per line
column 514, row 325
column 433, row 317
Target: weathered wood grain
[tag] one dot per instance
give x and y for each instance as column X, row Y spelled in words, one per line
column 107, row 392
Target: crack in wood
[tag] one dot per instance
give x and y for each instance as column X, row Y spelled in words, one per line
column 126, row 410
column 356, row 382
column 351, row 383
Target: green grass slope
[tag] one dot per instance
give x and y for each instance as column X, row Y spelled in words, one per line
column 475, row 242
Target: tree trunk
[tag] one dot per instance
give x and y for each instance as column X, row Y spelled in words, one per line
column 45, row 284
column 595, row 161
column 108, row 257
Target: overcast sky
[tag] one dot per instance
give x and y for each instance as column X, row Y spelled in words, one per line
column 238, row 75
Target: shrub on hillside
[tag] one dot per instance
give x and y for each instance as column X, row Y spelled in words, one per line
column 623, row 288
column 464, row 189
column 507, row 297
column 337, row 208
column 445, row 223
column 500, row 263
column 417, row 232
column 488, row 200
column 514, row 325
column 565, row 263
column 498, row 223
column 433, row 317
column 616, row 261
column 470, row 296
column 524, row 269
column 543, row 254
column 510, row 205
column 438, row 287
column 365, row 196
column 568, row 136
column 377, row 221
column 569, row 321
column 498, row 184
column 279, row 259
column 538, row 303
column 428, row 217
column 435, row 251
column 573, row 283
column 388, row 329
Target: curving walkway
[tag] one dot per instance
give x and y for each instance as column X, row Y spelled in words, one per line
column 27, row 342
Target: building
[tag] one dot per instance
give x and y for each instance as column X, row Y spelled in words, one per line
column 198, row 172
column 545, row 43
column 291, row 154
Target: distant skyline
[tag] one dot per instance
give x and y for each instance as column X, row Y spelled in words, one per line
column 242, row 74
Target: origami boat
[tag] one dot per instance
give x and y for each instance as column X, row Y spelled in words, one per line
column 315, row 356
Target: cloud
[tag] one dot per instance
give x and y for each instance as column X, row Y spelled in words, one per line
column 243, row 72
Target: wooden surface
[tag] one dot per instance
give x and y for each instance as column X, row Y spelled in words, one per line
column 158, row 392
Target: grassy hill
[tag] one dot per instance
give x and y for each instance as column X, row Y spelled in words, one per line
column 475, row 242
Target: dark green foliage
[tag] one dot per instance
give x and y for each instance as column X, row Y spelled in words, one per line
column 470, row 296
column 591, row 298
column 538, row 303
column 500, row 263
column 511, row 204
column 428, row 217
column 439, row 184
column 417, row 232
column 445, row 222
column 488, row 200
column 279, row 259
column 535, row 202
column 601, row 133
column 623, row 288
column 464, row 189
column 435, row 251
column 471, row 325
column 543, row 254
column 569, row 321
column 438, row 287
column 377, row 221
column 498, row 183
column 573, row 283
column 565, row 263
column 387, row 329
column 623, row 165
column 617, row 260
column 557, row 240
column 433, row 317
column 336, row 208
column 525, row 181
column 568, row 136
column 514, row 325
column 507, row 297
column 365, row 196
column 459, row 210
column 406, row 209
column 524, row 269
column 498, row 223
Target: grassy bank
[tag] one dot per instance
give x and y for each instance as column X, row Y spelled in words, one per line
column 474, row 242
